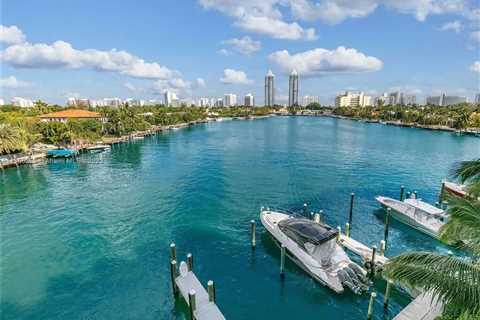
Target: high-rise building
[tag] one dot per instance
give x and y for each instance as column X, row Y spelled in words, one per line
column 249, row 100
column 170, row 99
column 2, row 102
column 477, row 98
column 293, row 89
column 352, row 99
column 219, row 102
column 230, row 100
column 22, row 102
column 395, row 98
column 382, row 100
column 409, row 99
column 444, row 100
column 113, row 102
column 204, row 102
column 306, row 100
column 135, row 102
column 270, row 89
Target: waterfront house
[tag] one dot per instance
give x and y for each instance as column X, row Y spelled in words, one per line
column 72, row 114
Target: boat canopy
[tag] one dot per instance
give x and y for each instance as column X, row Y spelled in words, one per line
column 303, row 231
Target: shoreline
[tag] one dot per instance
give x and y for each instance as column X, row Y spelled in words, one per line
column 33, row 157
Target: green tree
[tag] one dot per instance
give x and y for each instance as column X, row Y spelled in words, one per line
column 12, row 139
column 55, row 132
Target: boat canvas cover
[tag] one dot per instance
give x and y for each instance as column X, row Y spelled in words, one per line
column 303, row 231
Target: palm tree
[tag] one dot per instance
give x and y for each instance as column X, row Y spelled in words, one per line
column 455, row 281
column 11, row 139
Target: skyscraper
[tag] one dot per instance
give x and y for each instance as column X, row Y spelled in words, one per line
column 293, row 89
column 269, row 89
column 230, row 100
column 249, row 100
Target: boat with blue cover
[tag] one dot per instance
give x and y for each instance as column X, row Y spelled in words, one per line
column 61, row 153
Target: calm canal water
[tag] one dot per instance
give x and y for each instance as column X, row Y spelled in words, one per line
column 90, row 239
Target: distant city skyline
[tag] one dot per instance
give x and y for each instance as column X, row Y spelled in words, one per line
column 334, row 45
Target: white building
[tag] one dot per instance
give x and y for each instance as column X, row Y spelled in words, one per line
column 306, row 100
column 270, row 89
column 171, row 99
column 444, row 100
column 112, row 102
column 477, row 98
column 135, row 102
column 353, row 99
column 230, row 100
column 382, row 100
column 249, row 100
column 22, row 102
column 219, row 102
column 204, row 102
column 2, row 102
column 293, row 89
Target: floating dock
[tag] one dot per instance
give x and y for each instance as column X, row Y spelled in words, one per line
column 361, row 250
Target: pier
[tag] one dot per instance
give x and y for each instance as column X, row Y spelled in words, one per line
column 202, row 304
column 423, row 307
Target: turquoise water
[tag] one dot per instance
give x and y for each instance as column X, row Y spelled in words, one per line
column 90, row 239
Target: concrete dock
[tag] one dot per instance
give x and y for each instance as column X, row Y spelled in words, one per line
column 421, row 308
column 205, row 310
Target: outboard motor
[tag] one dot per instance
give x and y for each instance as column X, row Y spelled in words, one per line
column 354, row 278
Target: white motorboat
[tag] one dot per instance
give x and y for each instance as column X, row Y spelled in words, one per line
column 455, row 189
column 313, row 247
column 416, row 213
column 98, row 148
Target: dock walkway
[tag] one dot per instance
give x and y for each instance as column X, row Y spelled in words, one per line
column 205, row 310
column 422, row 308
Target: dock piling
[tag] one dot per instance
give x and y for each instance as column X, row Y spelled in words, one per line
column 252, row 233
column 282, row 261
column 402, row 191
column 190, row 262
column 370, row 305
column 192, row 303
column 339, row 235
column 374, row 251
column 173, row 252
column 388, row 291
column 350, row 213
column 442, row 190
column 316, row 217
column 387, row 222
column 382, row 247
column 173, row 276
column 211, row 291
column 305, row 210
column 347, row 229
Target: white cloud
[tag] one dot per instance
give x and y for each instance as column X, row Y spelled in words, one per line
column 12, row 83
column 11, row 35
column 130, row 87
column 320, row 62
column 275, row 28
column 475, row 36
column 263, row 17
column 224, row 52
column 231, row 76
column 245, row 45
column 200, row 83
column 475, row 67
column 455, row 26
column 61, row 54
column 332, row 11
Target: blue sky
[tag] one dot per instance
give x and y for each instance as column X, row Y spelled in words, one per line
column 54, row 49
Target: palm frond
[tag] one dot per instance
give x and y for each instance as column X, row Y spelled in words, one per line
column 452, row 280
column 464, row 224
column 467, row 170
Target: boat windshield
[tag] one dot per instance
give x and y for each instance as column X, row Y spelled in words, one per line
column 303, row 231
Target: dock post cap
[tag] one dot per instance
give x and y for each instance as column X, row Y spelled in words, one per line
column 374, row 295
column 183, row 269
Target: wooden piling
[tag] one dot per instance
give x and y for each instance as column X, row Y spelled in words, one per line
column 252, row 234
column 305, row 210
column 282, row 261
column 339, row 234
column 211, row 291
column 388, row 290
column 173, row 252
column 173, row 276
column 442, row 190
column 382, row 247
column 190, row 262
column 350, row 213
column 387, row 222
column 370, row 305
column 347, row 230
column 402, row 191
column 374, row 251
column 316, row 217
column 192, row 304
